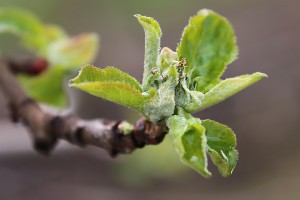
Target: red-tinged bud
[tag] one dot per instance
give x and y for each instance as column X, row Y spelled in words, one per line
column 31, row 66
column 37, row 66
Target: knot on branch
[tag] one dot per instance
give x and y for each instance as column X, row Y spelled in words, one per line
column 144, row 133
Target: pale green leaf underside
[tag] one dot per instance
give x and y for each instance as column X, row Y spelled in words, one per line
column 111, row 84
column 227, row 88
column 221, row 143
column 190, row 142
column 152, row 46
column 208, row 43
column 75, row 51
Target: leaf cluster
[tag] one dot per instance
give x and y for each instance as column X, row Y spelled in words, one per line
column 179, row 83
column 175, row 83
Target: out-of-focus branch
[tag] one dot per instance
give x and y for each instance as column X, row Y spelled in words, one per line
column 47, row 128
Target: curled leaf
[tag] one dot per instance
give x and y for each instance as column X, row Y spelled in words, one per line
column 221, row 143
column 190, row 143
column 194, row 143
column 152, row 46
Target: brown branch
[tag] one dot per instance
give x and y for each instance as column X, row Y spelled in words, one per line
column 47, row 128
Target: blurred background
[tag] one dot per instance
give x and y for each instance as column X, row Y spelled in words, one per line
column 265, row 116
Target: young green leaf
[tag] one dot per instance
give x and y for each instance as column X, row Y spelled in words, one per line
column 24, row 25
column 190, row 143
column 167, row 58
column 152, row 46
column 63, row 54
column 73, row 52
column 47, row 87
column 193, row 141
column 227, row 88
column 111, row 84
column 221, row 141
column 203, row 84
column 208, row 43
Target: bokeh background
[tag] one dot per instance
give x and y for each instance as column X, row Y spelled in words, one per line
column 265, row 117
